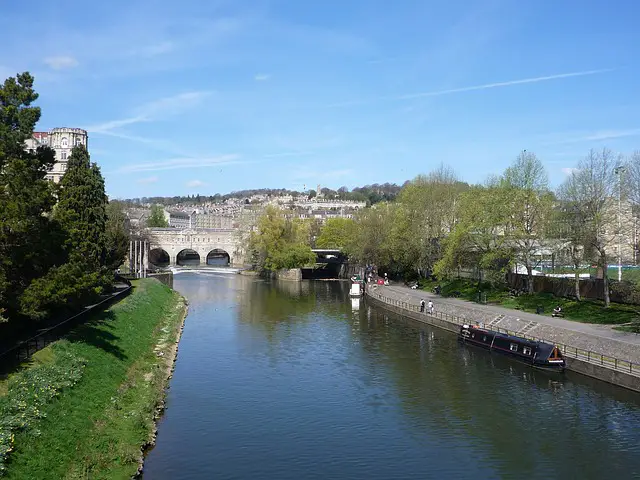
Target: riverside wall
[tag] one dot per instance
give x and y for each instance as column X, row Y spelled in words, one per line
column 606, row 368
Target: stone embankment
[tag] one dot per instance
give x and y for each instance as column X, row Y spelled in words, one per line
column 594, row 350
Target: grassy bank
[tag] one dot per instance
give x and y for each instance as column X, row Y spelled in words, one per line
column 86, row 405
column 586, row 311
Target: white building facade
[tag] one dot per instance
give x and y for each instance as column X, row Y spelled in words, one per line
column 62, row 140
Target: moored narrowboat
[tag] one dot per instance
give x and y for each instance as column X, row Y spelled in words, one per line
column 538, row 354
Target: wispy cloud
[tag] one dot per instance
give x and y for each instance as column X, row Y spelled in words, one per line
column 182, row 164
column 148, row 180
column 154, row 110
column 61, row 62
column 485, row 86
column 262, row 77
column 599, row 136
column 195, row 184
column 153, row 49
column 289, row 154
column 569, row 170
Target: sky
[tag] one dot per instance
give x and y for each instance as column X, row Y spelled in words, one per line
column 204, row 97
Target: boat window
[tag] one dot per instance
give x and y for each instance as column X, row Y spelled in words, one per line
column 513, row 347
column 526, row 350
column 473, row 335
column 484, row 338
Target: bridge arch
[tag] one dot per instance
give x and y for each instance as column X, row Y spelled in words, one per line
column 159, row 257
column 218, row 257
column 188, row 256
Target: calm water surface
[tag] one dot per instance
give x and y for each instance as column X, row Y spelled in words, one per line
column 292, row 381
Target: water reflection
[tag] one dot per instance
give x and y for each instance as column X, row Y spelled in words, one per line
column 285, row 380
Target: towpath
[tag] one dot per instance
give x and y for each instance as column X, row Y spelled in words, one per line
column 602, row 339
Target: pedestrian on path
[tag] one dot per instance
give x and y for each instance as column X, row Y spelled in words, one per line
column 430, row 308
column 422, row 306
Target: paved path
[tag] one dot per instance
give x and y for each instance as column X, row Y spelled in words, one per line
column 597, row 338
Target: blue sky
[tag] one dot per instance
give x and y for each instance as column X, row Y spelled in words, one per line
column 204, row 97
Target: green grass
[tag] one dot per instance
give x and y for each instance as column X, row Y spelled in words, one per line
column 96, row 427
column 586, row 311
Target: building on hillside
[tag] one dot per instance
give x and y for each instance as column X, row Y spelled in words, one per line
column 211, row 220
column 62, row 140
column 178, row 219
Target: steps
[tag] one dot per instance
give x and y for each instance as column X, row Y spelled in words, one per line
column 495, row 321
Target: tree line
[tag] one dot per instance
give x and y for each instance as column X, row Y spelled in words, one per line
column 439, row 224
column 59, row 243
column 371, row 194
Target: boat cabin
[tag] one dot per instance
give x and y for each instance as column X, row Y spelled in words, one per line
column 536, row 353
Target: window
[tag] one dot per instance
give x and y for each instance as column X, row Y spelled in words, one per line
column 63, row 167
column 526, row 350
column 484, row 338
column 78, row 141
column 513, row 347
column 63, row 155
column 65, row 142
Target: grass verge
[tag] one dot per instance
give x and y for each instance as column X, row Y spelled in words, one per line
column 102, row 387
column 586, row 311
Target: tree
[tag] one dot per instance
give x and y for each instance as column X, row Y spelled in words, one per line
column 424, row 216
column 529, row 209
column 81, row 213
column 157, row 219
column 336, row 233
column 29, row 239
column 478, row 238
column 116, row 235
column 590, row 190
column 279, row 242
column 370, row 243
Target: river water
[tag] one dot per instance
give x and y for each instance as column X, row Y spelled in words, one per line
column 291, row 381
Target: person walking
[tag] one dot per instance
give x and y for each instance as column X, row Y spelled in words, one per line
column 422, row 306
column 430, row 308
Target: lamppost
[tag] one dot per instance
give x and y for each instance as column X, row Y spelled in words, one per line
column 619, row 171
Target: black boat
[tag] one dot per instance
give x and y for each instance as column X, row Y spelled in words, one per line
column 538, row 354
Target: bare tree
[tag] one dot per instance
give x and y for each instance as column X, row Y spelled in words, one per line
column 529, row 209
column 591, row 190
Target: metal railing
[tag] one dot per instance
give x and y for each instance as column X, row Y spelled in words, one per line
column 26, row 348
column 588, row 356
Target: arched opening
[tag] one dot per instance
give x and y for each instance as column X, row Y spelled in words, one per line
column 188, row 257
column 218, row 258
column 159, row 258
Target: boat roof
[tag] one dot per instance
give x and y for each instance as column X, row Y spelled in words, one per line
column 543, row 347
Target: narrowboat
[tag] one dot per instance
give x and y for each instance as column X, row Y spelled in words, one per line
column 537, row 354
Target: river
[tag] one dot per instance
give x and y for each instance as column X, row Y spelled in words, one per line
column 290, row 381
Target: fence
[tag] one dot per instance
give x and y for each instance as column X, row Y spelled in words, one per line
column 567, row 350
column 24, row 349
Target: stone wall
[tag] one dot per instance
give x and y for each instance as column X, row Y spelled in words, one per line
column 292, row 275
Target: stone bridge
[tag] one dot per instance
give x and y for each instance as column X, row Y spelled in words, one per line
column 206, row 246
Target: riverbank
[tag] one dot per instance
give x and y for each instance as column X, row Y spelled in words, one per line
column 594, row 350
column 86, row 407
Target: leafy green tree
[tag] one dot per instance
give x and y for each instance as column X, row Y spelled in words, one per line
column 29, row 239
column 81, row 213
column 425, row 215
column 116, row 235
column 370, row 243
column 478, row 238
column 336, row 233
column 279, row 242
column 529, row 205
column 157, row 219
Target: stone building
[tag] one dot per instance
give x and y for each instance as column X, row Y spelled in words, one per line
column 211, row 220
column 62, row 140
column 178, row 219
